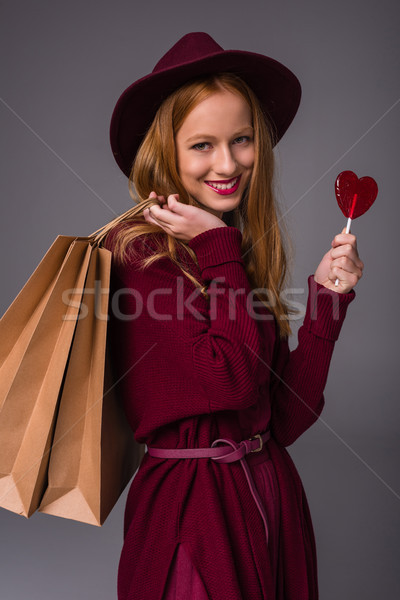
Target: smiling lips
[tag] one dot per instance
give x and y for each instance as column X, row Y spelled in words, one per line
column 224, row 186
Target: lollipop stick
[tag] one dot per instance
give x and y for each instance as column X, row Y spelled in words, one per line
column 347, row 231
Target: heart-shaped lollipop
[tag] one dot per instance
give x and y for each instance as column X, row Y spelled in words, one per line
column 355, row 196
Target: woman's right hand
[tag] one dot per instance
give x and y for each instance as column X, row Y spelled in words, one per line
column 180, row 220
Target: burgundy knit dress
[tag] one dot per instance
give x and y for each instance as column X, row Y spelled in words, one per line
column 193, row 370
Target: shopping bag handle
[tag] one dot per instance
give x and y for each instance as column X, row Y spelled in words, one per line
column 97, row 237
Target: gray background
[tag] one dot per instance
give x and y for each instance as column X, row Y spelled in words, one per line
column 63, row 66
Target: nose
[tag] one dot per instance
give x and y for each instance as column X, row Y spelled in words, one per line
column 224, row 161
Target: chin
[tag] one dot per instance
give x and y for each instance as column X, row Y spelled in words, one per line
column 218, row 207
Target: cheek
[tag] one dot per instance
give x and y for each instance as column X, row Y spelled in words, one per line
column 192, row 169
column 246, row 158
column 249, row 160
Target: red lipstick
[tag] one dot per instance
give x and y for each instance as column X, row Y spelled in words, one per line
column 225, row 192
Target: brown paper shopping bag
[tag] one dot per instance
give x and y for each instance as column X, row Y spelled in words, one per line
column 94, row 454
column 35, row 345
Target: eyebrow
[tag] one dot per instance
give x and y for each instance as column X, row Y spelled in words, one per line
column 207, row 136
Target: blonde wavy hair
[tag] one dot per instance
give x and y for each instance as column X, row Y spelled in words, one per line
column 155, row 168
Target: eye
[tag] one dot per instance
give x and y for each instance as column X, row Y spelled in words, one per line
column 242, row 139
column 200, row 146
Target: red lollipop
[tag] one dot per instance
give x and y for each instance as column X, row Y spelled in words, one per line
column 354, row 196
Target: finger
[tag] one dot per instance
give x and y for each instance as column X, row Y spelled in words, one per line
column 151, row 219
column 161, row 215
column 175, row 205
column 147, row 215
column 344, row 238
column 153, row 195
column 344, row 263
column 349, row 251
column 346, row 280
column 149, row 212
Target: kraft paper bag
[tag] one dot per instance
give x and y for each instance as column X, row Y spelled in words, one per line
column 36, row 334
column 94, row 453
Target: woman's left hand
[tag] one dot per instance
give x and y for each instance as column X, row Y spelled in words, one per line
column 341, row 262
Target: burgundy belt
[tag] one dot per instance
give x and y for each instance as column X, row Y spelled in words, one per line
column 225, row 455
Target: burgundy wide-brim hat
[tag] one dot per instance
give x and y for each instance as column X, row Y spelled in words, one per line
column 195, row 55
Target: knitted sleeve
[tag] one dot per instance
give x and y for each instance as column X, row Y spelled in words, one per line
column 300, row 376
column 226, row 348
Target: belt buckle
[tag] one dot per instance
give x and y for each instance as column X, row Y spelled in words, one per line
column 258, row 435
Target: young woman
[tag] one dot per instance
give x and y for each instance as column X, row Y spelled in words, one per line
column 199, row 330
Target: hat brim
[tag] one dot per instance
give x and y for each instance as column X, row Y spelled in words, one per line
column 276, row 87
